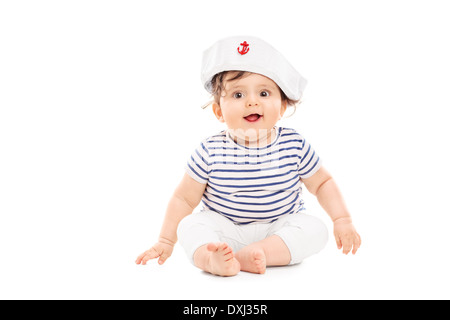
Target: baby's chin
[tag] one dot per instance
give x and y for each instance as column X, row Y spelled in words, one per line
column 249, row 135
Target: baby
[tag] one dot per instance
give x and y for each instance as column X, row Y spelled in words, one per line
column 250, row 176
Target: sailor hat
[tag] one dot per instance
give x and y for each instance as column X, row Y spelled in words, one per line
column 245, row 53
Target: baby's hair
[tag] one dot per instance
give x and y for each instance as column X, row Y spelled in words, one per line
column 218, row 86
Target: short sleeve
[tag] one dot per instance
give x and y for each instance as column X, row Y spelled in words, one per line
column 310, row 162
column 198, row 165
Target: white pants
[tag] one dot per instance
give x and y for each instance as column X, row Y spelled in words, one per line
column 303, row 234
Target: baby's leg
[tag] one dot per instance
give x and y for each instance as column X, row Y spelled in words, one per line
column 303, row 235
column 271, row 251
column 207, row 238
column 217, row 258
column 290, row 239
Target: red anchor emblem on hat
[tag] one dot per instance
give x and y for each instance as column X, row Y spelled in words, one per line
column 244, row 49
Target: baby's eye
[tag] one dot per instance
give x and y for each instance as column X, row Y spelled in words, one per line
column 264, row 93
column 238, row 95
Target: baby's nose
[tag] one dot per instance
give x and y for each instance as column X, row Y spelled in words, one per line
column 252, row 101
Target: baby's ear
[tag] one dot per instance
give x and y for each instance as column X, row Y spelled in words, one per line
column 217, row 111
column 283, row 109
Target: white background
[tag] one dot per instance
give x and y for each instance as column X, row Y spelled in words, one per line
column 100, row 109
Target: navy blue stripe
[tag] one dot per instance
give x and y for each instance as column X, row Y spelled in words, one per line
column 254, row 163
column 251, row 203
column 198, row 166
column 254, row 185
column 254, row 170
column 246, row 191
column 199, row 175
column 258, row 197
column 219, row 135
column 305, row 173
column 306, row 154
column 309, row 161
column 234, row 147
column 292, row 134
column 204, row 148
column 252, row 155
column 254, row 211
column 287, row 141
column 201, row 158
column 223, row 148
column 237, row 195
column 254, row 178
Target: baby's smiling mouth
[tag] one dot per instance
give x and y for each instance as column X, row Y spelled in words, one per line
column 253, row 117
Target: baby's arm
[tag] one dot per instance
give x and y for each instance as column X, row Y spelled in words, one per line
column 184, row 200
column 323, row 186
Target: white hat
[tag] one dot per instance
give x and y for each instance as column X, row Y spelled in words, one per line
column 244, row 53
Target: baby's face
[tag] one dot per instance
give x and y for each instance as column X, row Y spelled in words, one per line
column 250, row 106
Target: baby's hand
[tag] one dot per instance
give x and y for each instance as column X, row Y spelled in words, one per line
column 346, row 235
column 163, row 249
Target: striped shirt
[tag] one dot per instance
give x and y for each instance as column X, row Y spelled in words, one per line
column 253, row 184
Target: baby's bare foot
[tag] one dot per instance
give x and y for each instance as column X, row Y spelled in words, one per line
column 222, row 261
column 252, row 260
